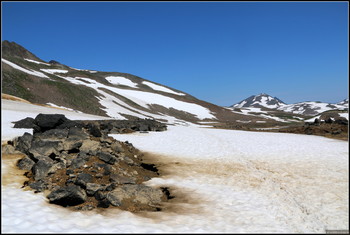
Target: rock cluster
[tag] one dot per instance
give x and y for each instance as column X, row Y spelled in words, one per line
column 105, row 126
column 83, row 168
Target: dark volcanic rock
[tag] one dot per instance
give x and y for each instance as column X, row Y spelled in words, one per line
column 68, row 196
column 25, row 123
column 49, row 121
column 85, row 168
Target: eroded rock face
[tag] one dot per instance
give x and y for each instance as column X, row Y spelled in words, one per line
column 83, row 168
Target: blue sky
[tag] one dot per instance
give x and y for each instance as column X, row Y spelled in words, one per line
column 220, row 52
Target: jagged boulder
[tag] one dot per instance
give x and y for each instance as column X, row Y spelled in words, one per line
column 68, row 196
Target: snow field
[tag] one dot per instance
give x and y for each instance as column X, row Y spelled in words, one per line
column 223, row 180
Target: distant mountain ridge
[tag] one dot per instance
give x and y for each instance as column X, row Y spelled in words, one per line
column 308, row 108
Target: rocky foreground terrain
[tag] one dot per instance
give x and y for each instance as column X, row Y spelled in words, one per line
column 77, row 165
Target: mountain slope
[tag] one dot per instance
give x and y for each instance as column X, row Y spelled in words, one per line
column 113, row 94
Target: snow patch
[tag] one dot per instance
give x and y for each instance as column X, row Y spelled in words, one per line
column 53, row 71
column 37, row 62
column 118, row 80
column 161, row 88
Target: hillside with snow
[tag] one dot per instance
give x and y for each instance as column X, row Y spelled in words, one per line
column 283, row 183
column 110, row 94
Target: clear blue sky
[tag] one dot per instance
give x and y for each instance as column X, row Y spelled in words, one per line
column 220, row 52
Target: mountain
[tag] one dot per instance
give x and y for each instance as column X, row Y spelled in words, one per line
column 312, row 108
column 111, row 94
column 260, row 101
column 269, row 103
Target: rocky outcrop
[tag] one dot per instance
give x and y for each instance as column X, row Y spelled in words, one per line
column 83, row 168
column 95, row 127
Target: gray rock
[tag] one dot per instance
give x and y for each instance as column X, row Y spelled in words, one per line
column 23, row 143
column 52, row 134
column 106, row 157
column 25, row 163
column 78, row 133
column 90, row 146
column 83, row 179
column 116, row 147
column 41, row 169
column 38, row 186
column 118, row 179
column 45, row 147
column 92, row 188
column 72, row 143
column 139, row 193
column 9, row 149
column 68, row 196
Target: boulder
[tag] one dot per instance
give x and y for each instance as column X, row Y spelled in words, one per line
column 106, row 157
column 25, row 123
column 25, row 163
column 41, row 169
column 83, row 179
column 45, row 147
column 92, row 188
column 68, row 196
column 48, row 121
column 23, row 143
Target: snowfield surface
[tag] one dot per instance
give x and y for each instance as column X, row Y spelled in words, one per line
column 161, row 88
column 223, row 181
column 31, row 72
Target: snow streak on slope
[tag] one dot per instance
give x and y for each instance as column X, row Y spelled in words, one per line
column 31, row 72
column 37, row 62
column 52, row 71
column 118, row 80
column 161, row 88
column 282, row 183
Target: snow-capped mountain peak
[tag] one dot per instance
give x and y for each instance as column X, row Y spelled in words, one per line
column 260, row 101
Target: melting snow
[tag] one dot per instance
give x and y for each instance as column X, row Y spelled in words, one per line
column 31, row 72
column 161, row 88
